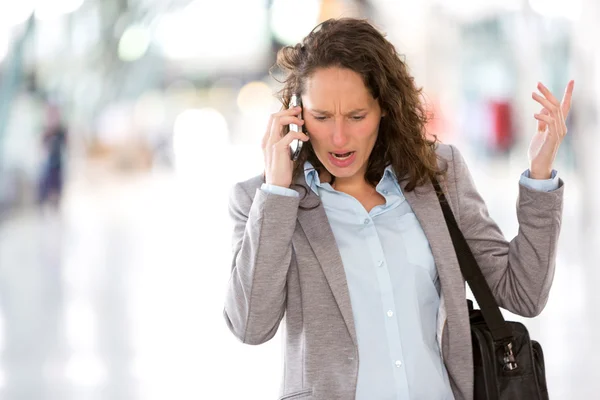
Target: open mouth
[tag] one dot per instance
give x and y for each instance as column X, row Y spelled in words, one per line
column 342, row 156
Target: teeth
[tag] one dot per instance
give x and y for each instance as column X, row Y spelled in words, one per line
column 340, row 157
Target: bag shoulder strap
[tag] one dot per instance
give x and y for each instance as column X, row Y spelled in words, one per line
column 492, row 316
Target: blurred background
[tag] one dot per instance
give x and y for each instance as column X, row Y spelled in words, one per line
column 124, row 124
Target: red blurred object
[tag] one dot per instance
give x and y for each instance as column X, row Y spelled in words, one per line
column 501, row 119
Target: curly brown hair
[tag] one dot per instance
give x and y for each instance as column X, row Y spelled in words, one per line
column 357, row 45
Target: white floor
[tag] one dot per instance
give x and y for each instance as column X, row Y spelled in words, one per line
column 120, row 297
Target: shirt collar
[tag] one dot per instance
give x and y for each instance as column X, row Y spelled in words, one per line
column 313, row 181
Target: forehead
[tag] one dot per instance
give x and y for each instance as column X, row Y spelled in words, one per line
column 333, row 86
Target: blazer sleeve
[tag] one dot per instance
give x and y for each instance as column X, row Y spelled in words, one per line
column 262, row 250
column 519, row 272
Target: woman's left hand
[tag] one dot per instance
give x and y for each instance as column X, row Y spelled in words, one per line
column 551, row 129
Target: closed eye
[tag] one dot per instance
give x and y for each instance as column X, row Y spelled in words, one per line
column 355, row 118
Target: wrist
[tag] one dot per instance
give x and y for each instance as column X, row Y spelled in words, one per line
column 538, row 173
column 279, row 184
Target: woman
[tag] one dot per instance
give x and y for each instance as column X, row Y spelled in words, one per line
column 349, row 241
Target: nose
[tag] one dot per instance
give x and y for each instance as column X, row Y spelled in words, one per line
column 339, row 136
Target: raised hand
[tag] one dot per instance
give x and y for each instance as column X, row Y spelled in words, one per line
column 551, row 129
column 276, row 147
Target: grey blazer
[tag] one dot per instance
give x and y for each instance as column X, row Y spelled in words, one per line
column 286, row 264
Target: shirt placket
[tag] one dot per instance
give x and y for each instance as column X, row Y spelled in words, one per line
column 388, row 310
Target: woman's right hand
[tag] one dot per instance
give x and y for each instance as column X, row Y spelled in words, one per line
column 276, row 147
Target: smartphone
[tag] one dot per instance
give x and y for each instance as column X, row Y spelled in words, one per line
column 296, row 145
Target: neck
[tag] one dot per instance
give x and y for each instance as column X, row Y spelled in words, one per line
column 353, row 188
column 345, row 185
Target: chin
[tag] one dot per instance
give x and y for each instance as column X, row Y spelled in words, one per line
column 342, row 172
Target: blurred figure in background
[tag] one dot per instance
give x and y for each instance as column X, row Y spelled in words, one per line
column 54, row 141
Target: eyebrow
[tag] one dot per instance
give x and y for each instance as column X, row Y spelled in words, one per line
column 356, row 110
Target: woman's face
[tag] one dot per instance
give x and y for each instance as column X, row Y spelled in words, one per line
column 341, row 117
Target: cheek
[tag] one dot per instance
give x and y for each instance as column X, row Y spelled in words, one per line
column 367, row 131
column 317, row 133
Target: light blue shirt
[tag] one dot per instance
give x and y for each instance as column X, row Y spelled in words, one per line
column 394, row 288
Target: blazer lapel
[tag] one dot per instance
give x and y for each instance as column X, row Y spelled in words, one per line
column 425, row 205
column 320, row 236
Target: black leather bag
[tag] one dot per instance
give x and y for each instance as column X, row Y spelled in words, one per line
column 508, row 364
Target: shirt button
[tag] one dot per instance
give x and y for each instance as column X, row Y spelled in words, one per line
column 385, row 192
column 398, row 363
column 380, row 263
column 367, row 221
column 390, row 313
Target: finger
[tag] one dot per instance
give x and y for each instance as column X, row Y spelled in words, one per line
column 541, row 124
column 552, row 108
column 275, row 129
column 551, row 123
column 277, row 126
column 289, row 137
column 566, row 101
column 289, row 111
column 283, row 113
column 560, row 132
column 279, row 123
column 547, row 94
column 561, row 126
column 290, row 119
column 267, row 134
column 547, row 119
